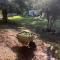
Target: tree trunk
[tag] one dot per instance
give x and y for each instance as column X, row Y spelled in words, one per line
column 4, row 13
column 50, row 24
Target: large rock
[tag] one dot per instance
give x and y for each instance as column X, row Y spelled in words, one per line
column 25, row 37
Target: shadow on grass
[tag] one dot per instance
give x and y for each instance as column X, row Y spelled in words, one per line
column 47, row 36
column 8, row 25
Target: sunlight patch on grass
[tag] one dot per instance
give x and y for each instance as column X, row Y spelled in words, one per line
column 15, row 17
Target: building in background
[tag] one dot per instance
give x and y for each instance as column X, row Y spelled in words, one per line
column 33, row 12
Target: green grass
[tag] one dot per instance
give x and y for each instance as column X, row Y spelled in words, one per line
column 28, row 21
column 15, row 18
column 31, row 21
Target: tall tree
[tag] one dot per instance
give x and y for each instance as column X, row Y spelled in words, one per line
column 52, row 12
column 3, row 4
column 4, row 13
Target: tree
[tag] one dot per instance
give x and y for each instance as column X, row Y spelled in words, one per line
column 52, row 12
column 4, row 10
column 4, row 13
column 17, row 6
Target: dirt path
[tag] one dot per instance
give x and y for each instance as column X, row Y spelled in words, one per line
column 11, row 49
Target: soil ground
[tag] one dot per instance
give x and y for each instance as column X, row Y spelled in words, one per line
column 12, row 49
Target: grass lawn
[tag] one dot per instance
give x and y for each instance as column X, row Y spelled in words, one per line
column 32, row 21
column 28, row 21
